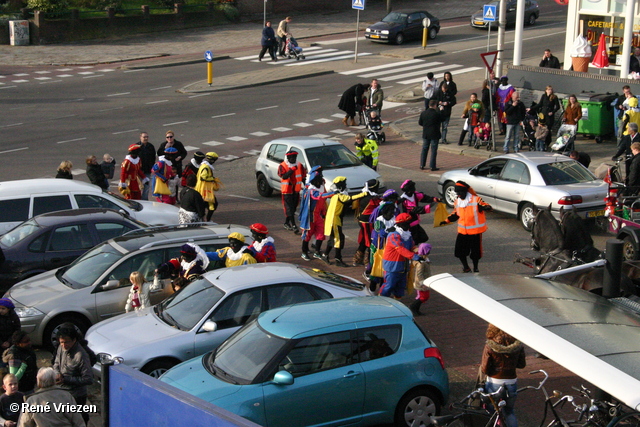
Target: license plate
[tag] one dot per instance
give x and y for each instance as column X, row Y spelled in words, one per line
column 373, row 36
column 479, row 22
column 594, row 214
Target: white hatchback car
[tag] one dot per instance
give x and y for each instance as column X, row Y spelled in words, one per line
column 198, row 318
column 335, row 159
column 24, row 199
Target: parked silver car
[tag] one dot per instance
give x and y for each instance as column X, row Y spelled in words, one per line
column 95, row 287
column 335, row 159
column 516, row 183
column 201, row 316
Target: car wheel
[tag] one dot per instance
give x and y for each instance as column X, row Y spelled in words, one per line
column 264, row 189
column 532, row 19
column 49, row 339
column 399, row 38
column 629, row 251
column 416, row 408
column 527, row 216
column 158, row 367
column 449, row 192
column 433, row 33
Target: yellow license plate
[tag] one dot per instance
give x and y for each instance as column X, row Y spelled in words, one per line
column 373, row 36
column 479, row 22
column 595, row 214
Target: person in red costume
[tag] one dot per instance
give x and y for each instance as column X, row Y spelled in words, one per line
column 131, row 176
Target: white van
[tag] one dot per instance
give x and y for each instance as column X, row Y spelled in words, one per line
column 21, row 200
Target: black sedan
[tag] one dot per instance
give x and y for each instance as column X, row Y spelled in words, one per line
column 531, row 13
column 401, row 25
column 55, row 239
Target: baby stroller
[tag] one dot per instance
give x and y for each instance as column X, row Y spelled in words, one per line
column 374, row 125
column 483, row 135
column 529, row 131
column 292, row 50
column 565, row 143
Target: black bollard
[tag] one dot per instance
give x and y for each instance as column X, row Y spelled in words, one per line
column 613, row 269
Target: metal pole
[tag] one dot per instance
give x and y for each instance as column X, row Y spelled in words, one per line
column 489, row 37
column 628, row 38
column 517, row 42
column 104, row 389
column 502, row 24
column 355, row 58
column 264, row 14
column 492, row 118
column 612, row 271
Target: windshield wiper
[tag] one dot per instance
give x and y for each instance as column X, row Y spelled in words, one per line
column 217, row 369
column 171, row 320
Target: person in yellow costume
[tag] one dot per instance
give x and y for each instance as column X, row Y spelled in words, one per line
column 237, row 253
column 333, row 220
column 208, row 184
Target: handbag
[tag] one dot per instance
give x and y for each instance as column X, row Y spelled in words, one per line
column 376, row 268
column 440, row 214
column 161, row 188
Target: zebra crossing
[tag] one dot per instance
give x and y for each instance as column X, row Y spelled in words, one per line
column 409, row 72
column 53, row 74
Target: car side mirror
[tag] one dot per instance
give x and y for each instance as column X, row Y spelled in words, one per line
column 409, row 21
column 210, row 326
column 283, row 378
column 111, row 284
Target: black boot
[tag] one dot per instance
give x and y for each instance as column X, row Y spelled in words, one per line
column 462, row 135
column 415, row 307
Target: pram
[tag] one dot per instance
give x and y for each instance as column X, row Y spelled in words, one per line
column 374, row 126
column 529, row 131
column 483, row 135
column 565, row 143
column 292, row 50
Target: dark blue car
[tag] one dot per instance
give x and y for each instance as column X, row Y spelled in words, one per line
column 402, row 25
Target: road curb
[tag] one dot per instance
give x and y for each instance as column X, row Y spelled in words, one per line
column 202, row 86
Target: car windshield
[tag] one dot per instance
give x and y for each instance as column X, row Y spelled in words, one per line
column 243, row 356
column 563, row 173
column 19, row 233
column 332, row 157
column 184, row 309
column 136, row 206
column 395, row 17
column 332, row 278
column 86, row 269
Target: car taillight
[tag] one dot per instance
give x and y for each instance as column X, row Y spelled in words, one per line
column 434, row 352
column 570, row 200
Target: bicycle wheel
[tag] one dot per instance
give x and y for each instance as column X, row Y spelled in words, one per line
column 627, row 420
column 471, row 420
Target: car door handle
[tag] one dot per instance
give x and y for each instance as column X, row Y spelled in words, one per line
column 351, row 374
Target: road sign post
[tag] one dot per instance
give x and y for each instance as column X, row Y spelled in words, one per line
column 208, row 56
column 425, row 31
column 358, row 5
column 489, row 16
column 489, row 59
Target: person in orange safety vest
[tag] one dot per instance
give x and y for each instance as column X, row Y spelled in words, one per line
column 292, row 174
column 468, row 210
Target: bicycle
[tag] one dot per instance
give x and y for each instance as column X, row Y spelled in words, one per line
column 476, row 416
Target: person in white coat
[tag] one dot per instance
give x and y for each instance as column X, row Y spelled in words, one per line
column 139, row 293
column 429, row 86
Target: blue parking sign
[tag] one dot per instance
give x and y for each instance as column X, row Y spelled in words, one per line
column 357, row 4
column 489, row 13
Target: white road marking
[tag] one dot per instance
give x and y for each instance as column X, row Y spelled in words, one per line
column 324, row 120
column 381, row 67
column 15, row 149
column 397, row 69
column 303, row 125
column 64, row 75
column 95, row 75
column 78, row 171
column 229, row 157
column 11, row 125
column 51, row 81
column 340, row 131
column 213, row 143
column 253, row 152
column 236, row 138
column 86, row 73
column 7, row 87
column 72, row 100
column 259, row 134
column 223, row 115
column 176, row 123
column 135, row 71
column 119, row 94
column 389, row 166
column 448, row 67
column 309, row 100
column 19, row 81
column 110, row 109
column 190, row 147
column 125, row 131
column 42, row 72
column 70, row 140
column 267, row 108
column 199, row 95
column 85, row 67
column 281, row 129
column 160, row 88
column 243, row 197
column 21, row 74
column 320, row 135
column 157, row 102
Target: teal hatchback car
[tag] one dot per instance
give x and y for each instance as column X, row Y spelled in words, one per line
column 357, row 361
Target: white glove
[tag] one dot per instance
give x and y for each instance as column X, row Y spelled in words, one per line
column 145, row 180
column 122, row 185
column 365, row 189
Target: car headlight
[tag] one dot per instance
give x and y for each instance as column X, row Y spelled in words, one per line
column 24, row 312
column 106, row 358
column 368, row 30
column 384, row 32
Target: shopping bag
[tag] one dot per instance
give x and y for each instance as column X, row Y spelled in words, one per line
column 376, row 268
column 440, row 214
column 161, row 187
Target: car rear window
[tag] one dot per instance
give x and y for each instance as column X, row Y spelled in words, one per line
column 14, row 210
column 332, row 278
column 44, row 204
column 563, row 173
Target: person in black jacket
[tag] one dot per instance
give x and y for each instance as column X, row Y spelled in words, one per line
column 171, row 141
column 514, row 111
column 549, row 61
column 430, row 120
column 147, row 154
column 446, row 100
column 22, row 361
column 95, row 173
column 352, row 101
column 624, row 146
column 548, row 106
column 268, row 42
column 633, row 184
column 192, row 205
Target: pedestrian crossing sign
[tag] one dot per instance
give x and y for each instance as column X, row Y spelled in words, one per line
column 357, row 4
column 489, row 13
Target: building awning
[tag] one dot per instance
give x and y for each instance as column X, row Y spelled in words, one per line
column 586, row 333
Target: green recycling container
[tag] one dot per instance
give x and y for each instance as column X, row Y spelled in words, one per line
column 597, row 114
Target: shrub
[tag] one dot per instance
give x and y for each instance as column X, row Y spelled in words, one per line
column 230, row 12
column 98, row 4
column 48, row 5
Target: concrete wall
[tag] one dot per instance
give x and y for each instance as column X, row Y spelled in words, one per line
column 136, row 400
column 536, row 78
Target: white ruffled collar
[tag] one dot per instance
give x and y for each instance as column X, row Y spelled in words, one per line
column 235, row 256
column 259, row 245
column 132, row 160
